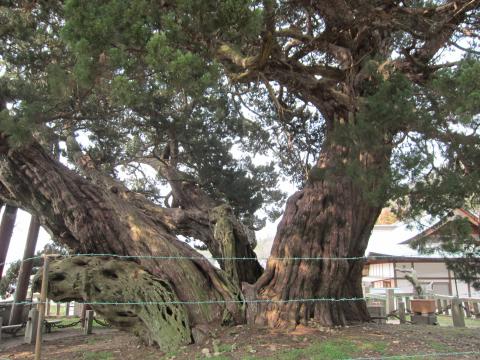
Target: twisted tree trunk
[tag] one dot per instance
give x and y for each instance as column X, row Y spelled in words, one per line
column 331, row 218
column 97, row 219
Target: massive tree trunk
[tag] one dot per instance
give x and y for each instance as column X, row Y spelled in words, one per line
column 330, row 218
column 94, row 219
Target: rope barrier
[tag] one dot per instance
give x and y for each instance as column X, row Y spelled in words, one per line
column 155, row 257
column 193, row 302
column 442, row 354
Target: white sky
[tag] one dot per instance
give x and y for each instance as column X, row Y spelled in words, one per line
column 19, row 238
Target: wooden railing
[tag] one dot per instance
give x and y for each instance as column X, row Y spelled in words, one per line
column 459, row 307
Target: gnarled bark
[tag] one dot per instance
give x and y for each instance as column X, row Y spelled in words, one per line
column 329, row 219
column 93, row 219
column 194, row 214
column 212, row 222
column 108, row 280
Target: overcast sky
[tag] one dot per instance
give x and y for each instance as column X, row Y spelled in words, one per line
column 19, row 237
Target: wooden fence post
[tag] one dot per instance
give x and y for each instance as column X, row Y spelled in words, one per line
column 476, row 310
column 457, row 313
column 445, row 307
column 88, row 322
column 390, row 301
column 31, row 328
column 407, row 304
column 41, row 309
column 468, row 313
column 439, row 306
column 401, row 312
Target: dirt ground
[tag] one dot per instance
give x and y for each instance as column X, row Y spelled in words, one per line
column 242, row 342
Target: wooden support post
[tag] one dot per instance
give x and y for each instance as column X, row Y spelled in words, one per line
column 439, row 306
column 457, row 313
column 390, row 301
column 58, row 309
column 48, row 307
column 67, row 309
column 6, row 230
column 468, row 313
column 445, row 307
column 88, row 322
column 476, row 310
column 31, row 328
column 407, row 304
column 83, row 314
column 77, row 309
column 1, row 324
column 16, row 315
column 401, row 312
column 41, row 309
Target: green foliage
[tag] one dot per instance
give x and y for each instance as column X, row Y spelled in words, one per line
column 456, row 241
column 9, row 280
column 127, row 75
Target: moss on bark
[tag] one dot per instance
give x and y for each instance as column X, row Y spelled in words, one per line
column 107, row 280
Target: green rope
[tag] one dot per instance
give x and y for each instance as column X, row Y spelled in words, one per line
column 201, row 302
column 294, row 258
column 155, row 257
column 228, row 258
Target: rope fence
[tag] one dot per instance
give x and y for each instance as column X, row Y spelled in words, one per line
column 211, row 258
column 255, row 301
column 43, row 302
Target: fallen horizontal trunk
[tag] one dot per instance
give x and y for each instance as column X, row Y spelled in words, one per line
column 156, row 314
column 93, row 219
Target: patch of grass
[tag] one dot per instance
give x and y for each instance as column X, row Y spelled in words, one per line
column 444, row 320
column 333, row 349
column 325, row 350
column 439, row 347
column 97, row 355
column 225, row 348
column 377, row 346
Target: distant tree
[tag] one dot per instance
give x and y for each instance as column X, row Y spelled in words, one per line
column 7, row 283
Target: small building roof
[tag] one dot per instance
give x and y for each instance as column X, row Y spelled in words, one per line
column 392, row 242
